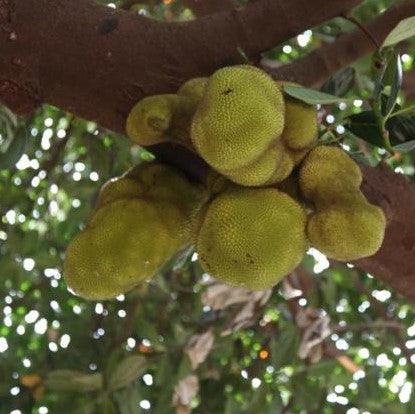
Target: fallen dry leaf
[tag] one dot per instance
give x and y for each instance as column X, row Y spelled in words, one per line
column 184, row 392
column 198, row 348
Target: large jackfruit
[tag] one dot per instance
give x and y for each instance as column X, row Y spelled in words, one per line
column 125, row 243
column 251, row 237
column 344, row 226
column 140, row 222
column 248, row 130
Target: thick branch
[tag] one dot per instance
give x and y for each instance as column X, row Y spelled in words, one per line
column 313, row 69
column 395, row 261
column 206, row 7
column 97, row 62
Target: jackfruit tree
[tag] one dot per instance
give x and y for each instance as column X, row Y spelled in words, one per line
column 207, row 206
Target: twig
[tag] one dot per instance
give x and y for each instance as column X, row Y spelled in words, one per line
column 366, row 31
column 387, row 324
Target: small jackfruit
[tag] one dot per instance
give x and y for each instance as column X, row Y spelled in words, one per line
column 194, row 89
column 240, row 115
column 161, row 118
column 251, row 237
column 344, row 226
column 300, row 131
column 141, row 220
column 347, row 232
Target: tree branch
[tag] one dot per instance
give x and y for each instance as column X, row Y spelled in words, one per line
column 395, row 261
column 97, row 62
column 313, row 69
column 202, row 8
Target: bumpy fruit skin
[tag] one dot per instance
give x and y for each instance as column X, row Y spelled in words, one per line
column 251, row 237
column 161, row 118
column 140, row 222
column 240, row 114
column 124, row 244
column 248, row 130
column 161, row 182
column 344, row 226
column 194, row 90
column 300, row 131
column 118, row 188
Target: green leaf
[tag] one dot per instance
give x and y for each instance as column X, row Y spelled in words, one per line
column 307, row 393
column 284, row 348
column 365, row 126
column 401, row 128
column 404, row 30
column 14, row 150
column 127, row 371
column 392, row 79
column 361, row 158
column 128, row 399
column 232, row 406
column 69, row 380
column 311, row 96
column 108, row 406
column 340, row 83
column 410, row 408
column 405, row 147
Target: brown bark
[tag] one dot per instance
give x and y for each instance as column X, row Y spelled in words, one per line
column 395, row 261
column 313, row 69
column 97, row 62
column 202, row 8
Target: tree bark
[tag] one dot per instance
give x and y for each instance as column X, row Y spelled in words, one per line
column 314, row 69
column 202, row 8
column 97, row 62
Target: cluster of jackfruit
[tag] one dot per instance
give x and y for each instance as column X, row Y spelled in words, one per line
column 238, row 120
column 271, row 194
column 141, row 220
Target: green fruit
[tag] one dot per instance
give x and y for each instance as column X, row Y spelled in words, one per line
column 142, row 219
column 239, row 117
column 251, row 237
column 125, row 243
column 344, row 226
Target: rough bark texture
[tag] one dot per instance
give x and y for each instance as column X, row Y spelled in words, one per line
column 317, row 66
column 206, row 7
column 395, row 261
column 97, row 62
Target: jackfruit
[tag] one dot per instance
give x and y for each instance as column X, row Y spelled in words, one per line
column 300, row 131
column 161, row 118
column 119, row 188
column 251, row 237
column 249, row 130
column 125, row 243
column 240, row 115
column 194, row 89
column 141, row 219
column 162, row 182
column 344, row 226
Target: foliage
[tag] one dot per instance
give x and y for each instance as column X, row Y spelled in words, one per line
column 61, row 354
